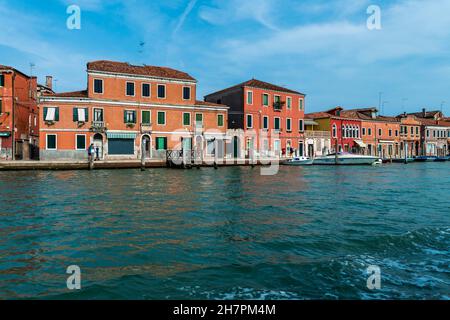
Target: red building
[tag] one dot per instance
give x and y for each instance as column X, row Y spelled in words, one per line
column 271, row 117
column 19, row 123
column 345, row 130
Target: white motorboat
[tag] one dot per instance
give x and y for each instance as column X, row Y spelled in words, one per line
column 299, row 161
column 344, row 158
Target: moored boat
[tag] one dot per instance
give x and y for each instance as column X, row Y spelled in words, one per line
column 346, row 159
column 299, row 161
column 442, row 159
column 425, row 158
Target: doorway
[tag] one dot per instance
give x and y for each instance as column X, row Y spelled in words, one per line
column 98, row 143
column 147, row 146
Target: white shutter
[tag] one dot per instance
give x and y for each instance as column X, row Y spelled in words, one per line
column 50, row 114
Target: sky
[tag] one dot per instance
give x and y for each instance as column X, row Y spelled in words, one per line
column 322, row 48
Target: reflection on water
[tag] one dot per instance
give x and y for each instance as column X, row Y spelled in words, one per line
column 227, row 233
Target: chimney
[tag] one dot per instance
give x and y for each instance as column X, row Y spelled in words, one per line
column 49, row 82
column 424, row 113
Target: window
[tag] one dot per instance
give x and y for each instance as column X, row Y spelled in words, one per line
column 428, row 133
column 130, row 88
column 2, row 80
column 265, row 100
column 396, row 133
column 98, row 115
column 276, row 123
column 363, row 131
column 1, row 106
column 390, row 132
column 186, row 119
column 80, row 114
column 98, row 86
column 161, row 143
column 51, row 142
column 161, row 91
column 220, row 120
column 266, row 122
column 344, row 132
column 51, row 114
column 129, row 116
column 81, row 142
column 186, row 93
column 369, row 131
column 289, row 102
column 249, row 97
column 199, row 119
column 412, row 130
column 146, row 117
column 276, row 99
column 300, row 104
column 249, row 121
column 301, row 125
column 417, row 130
column 161, row 118
column 288, row 124
column 380, row 132
column 334, row 131
column 146, row 90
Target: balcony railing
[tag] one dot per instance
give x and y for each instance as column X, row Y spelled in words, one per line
column 317, row 134
column 278, row 106
column 98, row 126
column 146, row 127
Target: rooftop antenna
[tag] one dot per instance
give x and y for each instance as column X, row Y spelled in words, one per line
column 403, row 104
column 32, row 65
column 382, row 106
column 380, row 97
column 442, row 105
column 141, row 48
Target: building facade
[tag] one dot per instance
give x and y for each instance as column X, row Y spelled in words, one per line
column 434, row 137
column 345, row 130
column 271, row 117
column 317, row 142
column 410, row 135
column 19, row 125
column 128, row 112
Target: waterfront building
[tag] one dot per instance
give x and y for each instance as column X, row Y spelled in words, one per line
column 345, row 130
column 317, row 141
column 271, row 118
column 434, row 137
column 410, row 145
column 129, row 111
column 19, row 125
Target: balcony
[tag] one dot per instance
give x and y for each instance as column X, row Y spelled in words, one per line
column 146, row 127
column 98, row 126
column 317, row 134
column 278, row 106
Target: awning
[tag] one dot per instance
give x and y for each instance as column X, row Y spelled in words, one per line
column 360, row 143
column 5, row 134
column 387, row 141
column 119, row 135
column 310, row 123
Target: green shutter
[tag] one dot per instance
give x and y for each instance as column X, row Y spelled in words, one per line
column 134, row 116
column 45, row 113
column 125, row 116
column 86, row 114
column 220, row 120
column 146, row 117
column 161, row 118
column 57, row 114
column 75, row 114
column 199, row 117
column 186, row 119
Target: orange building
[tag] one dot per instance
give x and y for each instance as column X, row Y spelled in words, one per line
column 19, row 127
column 410, row 136
column 127, row 110
column 270, row 117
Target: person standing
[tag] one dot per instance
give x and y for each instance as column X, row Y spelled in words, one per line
column 90, row 152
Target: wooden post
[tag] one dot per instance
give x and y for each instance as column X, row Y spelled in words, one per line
column 336, row 152
column 216, row 153
column 91, row 162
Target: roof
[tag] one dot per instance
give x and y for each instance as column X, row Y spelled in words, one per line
column 129, row 69
column 431, row 122
column 317, row 115
column 428, row 114
column 3, row 67
column 209, row 104
column 73, row 94
column 254, row 83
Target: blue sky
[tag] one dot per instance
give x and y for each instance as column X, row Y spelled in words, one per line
column 320, row 47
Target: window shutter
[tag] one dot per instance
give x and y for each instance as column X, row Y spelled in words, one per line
column 134, row 116
column 57, row 114
column 125, row 116
column 75, row 114
column 86, row 114
column 45, row 113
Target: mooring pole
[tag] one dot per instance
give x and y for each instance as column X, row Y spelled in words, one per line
column 143, row 145
column 216, row 153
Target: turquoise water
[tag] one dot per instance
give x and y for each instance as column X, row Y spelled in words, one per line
column 305, row 233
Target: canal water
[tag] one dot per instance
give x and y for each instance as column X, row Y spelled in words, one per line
column 305, row 233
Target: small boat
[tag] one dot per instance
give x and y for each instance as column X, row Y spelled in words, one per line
column 299, row 161
column 344, row 158
column 404, row 160
column 425, row 158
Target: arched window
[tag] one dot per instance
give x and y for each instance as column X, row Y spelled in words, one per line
column 357, row 132
column 344, row 131
column 334, row 131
